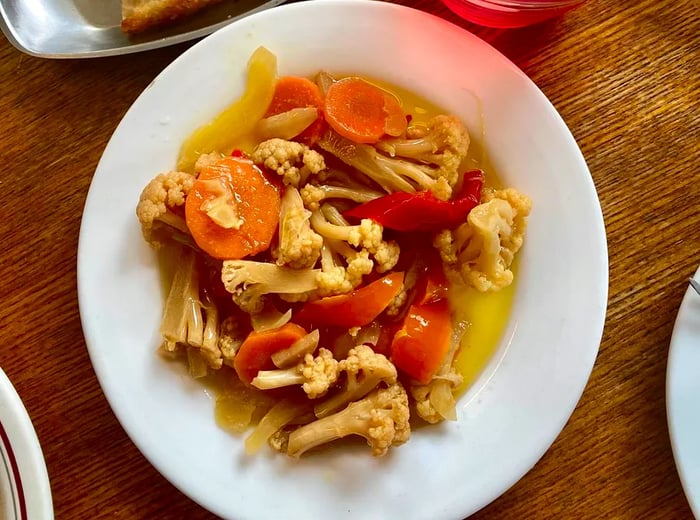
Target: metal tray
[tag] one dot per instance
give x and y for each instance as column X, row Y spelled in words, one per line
column 90, row 28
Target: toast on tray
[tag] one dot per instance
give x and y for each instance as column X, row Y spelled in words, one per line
column 142, row 15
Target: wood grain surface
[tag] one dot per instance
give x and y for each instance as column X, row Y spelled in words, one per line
column 625, row 76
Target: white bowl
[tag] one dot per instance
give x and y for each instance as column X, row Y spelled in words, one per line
column 513, row 413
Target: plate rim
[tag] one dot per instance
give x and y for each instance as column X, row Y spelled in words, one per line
column 597, row 314
column 676, row 350
column 30, row 479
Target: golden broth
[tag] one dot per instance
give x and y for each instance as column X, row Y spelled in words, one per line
column 487, row 316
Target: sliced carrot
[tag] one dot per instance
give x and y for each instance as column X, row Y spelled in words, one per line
column 358, row 308
column 255, row 353
column 363, row 112
column 420, row 346
column 297, row 92
column 253, row 199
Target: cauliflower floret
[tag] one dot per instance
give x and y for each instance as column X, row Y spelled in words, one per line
column 444, row 242
column 381, row 418
column 298, row 245
column 386, row 255
column 249, row 281
column 428, row 159
column 161, row 208
column 334, row 278
column 444, row 142
column 230, row 339
column 364, row 369
column 205, row 161
column 314, row 374
column 397, row 304
column 435, row 402
column 482, row 249
column 292, row 161
column 368, row 234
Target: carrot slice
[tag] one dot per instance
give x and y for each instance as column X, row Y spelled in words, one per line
column 253, row 202
column 363, row 112
column 255, row 353
column 358, row 308
column 420, row 346
column 297, row 92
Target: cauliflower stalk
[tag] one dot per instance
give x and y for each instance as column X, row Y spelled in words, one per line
column 313, row 195
column 298, row 245
column 314, row 374
column 381, row 418
column 293, row 162
column 190, row 319
column 482, row 249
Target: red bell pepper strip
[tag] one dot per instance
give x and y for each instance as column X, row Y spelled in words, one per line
column 356, row 309
column 420, row 346
column 432, row 285
column 423, row 211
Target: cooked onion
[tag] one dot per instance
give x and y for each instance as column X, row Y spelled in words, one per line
column 286, row 125
column 296, row 352
column 270, row 318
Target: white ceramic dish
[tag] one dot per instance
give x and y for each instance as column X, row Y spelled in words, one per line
column 507, row 420
column 89, row 28
column 683, row 395
column 24, row 483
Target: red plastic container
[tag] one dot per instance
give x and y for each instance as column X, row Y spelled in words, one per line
column 506, row 14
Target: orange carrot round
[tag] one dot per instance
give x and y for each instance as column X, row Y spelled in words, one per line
column 363, row 112
column 253, row 200
column 297, row 92
column 256, row 351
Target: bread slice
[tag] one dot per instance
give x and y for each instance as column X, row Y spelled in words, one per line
column 141, row 15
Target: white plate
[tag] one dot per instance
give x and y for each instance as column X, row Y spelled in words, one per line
column 683, row 395
column 512, row 414
column 24, row 483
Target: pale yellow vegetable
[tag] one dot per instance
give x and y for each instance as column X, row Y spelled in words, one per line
column 238, row 119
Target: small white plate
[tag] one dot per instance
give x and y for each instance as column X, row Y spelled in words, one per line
column 513, row 413
column 683, row 395
column 25, row 493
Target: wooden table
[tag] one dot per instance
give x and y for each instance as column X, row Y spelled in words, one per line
column 625, row 76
